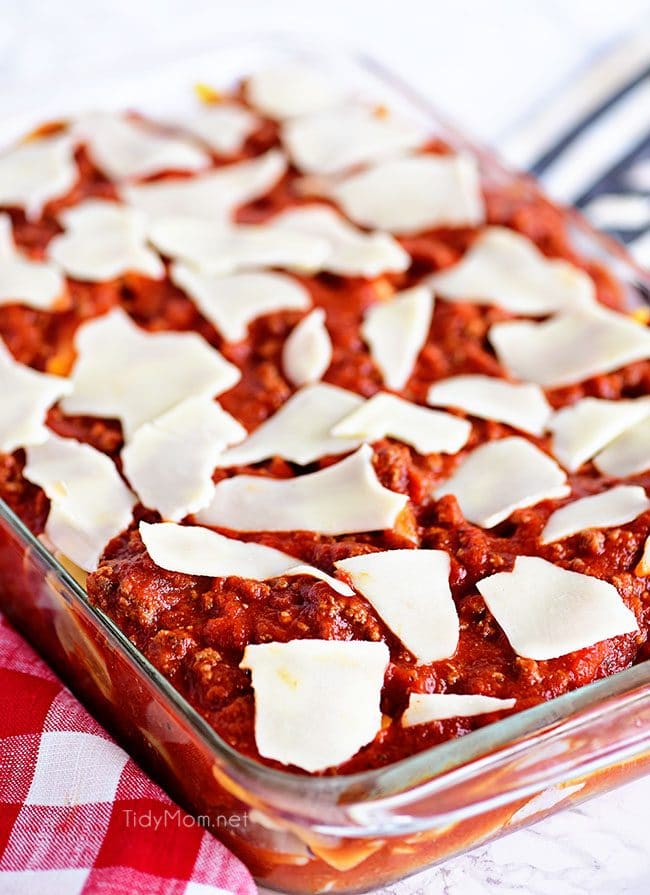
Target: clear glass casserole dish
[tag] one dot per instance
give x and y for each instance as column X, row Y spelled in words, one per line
column 296, row 833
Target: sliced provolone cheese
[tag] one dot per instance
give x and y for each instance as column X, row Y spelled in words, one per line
column 613, row 507
column 90, row 503
column 502, row 476
column 522, row 406
column 546, row 611
column 125, row 372
column 300, row 431
column 169, row 461
column 307, row 351
column 344, row 498
column 428, row 431
column 32, row 173
column 288, row 90
column 37, row 284
column 316, row 701
column 409, row 590
column 396, row 330
column 104, row 240
column 507, row 269
column 570, row 347
column 426, row 707
column 232, row 302
column 416, row 193
column 224, row 127
column 629, row 454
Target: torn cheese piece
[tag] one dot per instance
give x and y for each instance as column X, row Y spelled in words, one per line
column 103, row 240
column 90, row 504
column 345, row 136
column 643, row 566
column 33, row 173
column 606, row 510
column 300, row 431
column 341, row 499
column 170, row 460
column 307, row 351
column 351, row 252
column 128, row 373
column 396, row 330
column 36, row 284
column 547, row 611
column 212, row 196
column 415, row 193
column 316, row 701
column 409, row 590
column 287, row 90
column 502, row 476
column 25, row 397
column 231, row 303
column 522, row 406
column 585, row 428
column 426, row 707
column 629, row 454
column 194, row 550
column 506, row 269
column 224, row 127
column 428, row 431
column 570, row 347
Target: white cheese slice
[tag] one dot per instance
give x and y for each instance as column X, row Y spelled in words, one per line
column 613, row 507
column 212, row 196
column 428, row 431
column 409, row 590
column 90, row 504
column 629, row 454
column 170, row 460
column 346, row 136
column 193, row 550
column 316, row 701
column 125, row 148
column 415, row 193
column 547, row 611
column 502, row 476
column 521, row 406
column 506, row 269
column 25, row 397
column 351, row 252
column 300, row 431
column 37, row 284
column 224, row 127
column 33, row 173
column 586, row 427
column 232, row 302
column 307, row 351
column 396, row 331
column 570, row 347
column 287, row 90
column 426, row 707
column 341, row 499
column 127, row 373
column 103, row 240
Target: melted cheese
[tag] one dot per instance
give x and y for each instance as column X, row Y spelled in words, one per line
column 613, row 507
column 36, row 284
column 412, row 194
column 307, row 352
column 232, row 302
column 629, row 454
column 316, row 701
column 502, row 476
column 344, row 498
column 426, row 707
column 507, row 269
column 169, row 461
column 521, row 406
column 396, row 331
column 127, row 373
column 288, row 90
column 409, row 590
column 33, row 173
column 546, row 611
column 224, row 127
column 90, row 503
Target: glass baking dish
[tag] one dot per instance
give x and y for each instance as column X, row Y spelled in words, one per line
column 296, row 833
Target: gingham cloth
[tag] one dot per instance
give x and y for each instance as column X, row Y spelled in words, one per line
column 77, row 815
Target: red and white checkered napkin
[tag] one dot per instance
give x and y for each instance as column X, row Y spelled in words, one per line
column 77, row 815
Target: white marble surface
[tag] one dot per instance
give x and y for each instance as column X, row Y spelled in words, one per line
column 486, row 64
